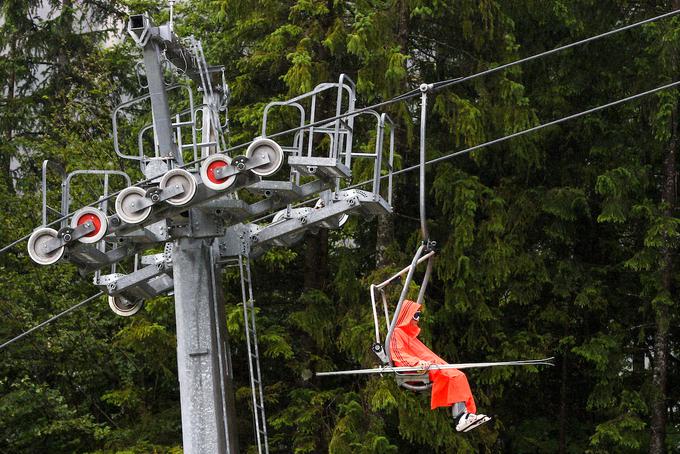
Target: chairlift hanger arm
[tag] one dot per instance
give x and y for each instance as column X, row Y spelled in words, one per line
column 426, row 245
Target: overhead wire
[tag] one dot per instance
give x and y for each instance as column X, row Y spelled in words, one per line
column 412, row 93
column 407, row 95
column 447, row 83
column 51, row 319
column 532, row 129
column 408, row 169
column 501, row 139
column 41, row 353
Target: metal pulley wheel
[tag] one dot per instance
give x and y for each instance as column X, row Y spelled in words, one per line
column 126, row 202
column 179, row 177
column 269, row 148
column 96, row 217
column 124, row 307
column 300, row 214
column 294, row 212
column 208, row 168
column 341, row 219
column 37, row 243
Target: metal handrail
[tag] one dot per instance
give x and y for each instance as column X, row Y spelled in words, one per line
column 121, row 106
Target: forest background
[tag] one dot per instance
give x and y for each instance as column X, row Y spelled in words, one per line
column 561, row 243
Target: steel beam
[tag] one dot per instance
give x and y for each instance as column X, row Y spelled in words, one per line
column 147, row 36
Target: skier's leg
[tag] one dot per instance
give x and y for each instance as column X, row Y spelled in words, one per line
column 457, row 410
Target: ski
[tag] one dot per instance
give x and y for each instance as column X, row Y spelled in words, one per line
column 406, row 369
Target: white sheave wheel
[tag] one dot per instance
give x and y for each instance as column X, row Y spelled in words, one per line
column 267, row 147
column 126, row 202
column 36, row 246
column 182, row 178
column 124, row 307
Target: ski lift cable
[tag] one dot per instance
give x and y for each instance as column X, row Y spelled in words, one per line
column 405, row 96
column 505, row 138
column 447, row 83
column 42, row 353
column 527, row 131
column 51, row 319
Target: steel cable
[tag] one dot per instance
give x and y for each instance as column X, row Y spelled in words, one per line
column 504, row 138
column 410, row 94
column 408, row 169
column 51, row 319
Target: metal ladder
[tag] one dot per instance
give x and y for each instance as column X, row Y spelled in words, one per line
column 253, row 356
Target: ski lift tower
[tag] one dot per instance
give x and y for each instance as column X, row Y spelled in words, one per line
column 203, row 359
column 193, row 213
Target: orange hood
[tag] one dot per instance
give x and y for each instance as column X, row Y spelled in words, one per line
column 408, row 309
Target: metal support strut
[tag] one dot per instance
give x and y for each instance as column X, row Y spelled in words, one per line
column 253, row 355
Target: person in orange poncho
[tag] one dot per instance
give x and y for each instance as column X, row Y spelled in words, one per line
column 450, row 386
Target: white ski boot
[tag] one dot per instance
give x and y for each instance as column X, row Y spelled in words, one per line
column 470, row 421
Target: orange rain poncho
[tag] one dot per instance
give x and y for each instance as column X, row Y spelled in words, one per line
column 449, row 385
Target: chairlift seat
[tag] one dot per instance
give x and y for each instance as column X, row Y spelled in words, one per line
column 414, row 381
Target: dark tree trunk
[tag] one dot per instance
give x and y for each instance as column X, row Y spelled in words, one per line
column 659, row 409
column 5, row 151
column 316, row 261
column 385, row 229
column 564, row 389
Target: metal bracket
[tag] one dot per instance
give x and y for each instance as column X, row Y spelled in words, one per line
column 139, row 27
column 67, row 235
column 106, row 279
column 429, row 245
column 119, row 283
column 242, row 164
column 153, row 259
column 167, row 253
column 203, row 225
column 157, row 195
column 237, row 240
column 379, row 351
column 156, row 232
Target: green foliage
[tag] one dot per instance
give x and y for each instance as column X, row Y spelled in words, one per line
column 350, row 433
column 36, row 417
column 553, row 244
